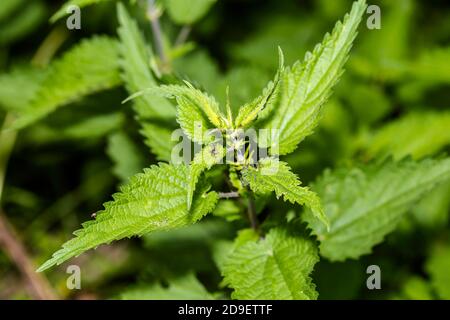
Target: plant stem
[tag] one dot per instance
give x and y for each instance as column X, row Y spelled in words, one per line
column 49, row 46
column 153, row 16
column 183, row 35
column 252, row 213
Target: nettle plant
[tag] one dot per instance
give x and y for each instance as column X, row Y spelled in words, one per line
column 349, row 211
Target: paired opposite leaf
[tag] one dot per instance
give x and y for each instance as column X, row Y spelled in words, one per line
column 272, row 175
column 276, row 267
column 306, row 86
column 152, row 201
column 89, row 67
column 196, row 111
column 364, row 204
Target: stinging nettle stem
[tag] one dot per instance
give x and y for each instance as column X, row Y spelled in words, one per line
column 252, row 213
column 153, row 16
column 183, row 35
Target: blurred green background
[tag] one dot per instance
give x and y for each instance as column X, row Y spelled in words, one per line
column 393, row 100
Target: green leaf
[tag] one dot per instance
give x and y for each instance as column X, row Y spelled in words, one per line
column 438, row 266
column 89, row 67
column 23, row 22
column 152, row 201
column 229, row 210
column 257, row 108
column 187, row 12
column 24, row 78
column 155, row 113
column 272, row 175
column 209, row 155
column 432, row 66
column 9, row 7
column 431, row 69
column 387, row 61
column 125, row 155
column 159, row 139
column 79, row 3
column 135, row 56
column 416, row 288
column 360, row 95
column 433, row 209
column 91, row 127
column 276, row 267
column 306, row 86
column 184, row 288
column 364, row 204
column 196, row 110
column 417, row 134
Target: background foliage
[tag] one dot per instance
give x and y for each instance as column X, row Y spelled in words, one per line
column 74, row 143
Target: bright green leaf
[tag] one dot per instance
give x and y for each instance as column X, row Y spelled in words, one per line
column 257, row 108
column 364, row 204
column 272, row 175
column 155, row 113
column 276, row 267
column 89, row 67
column 306, row 86
column 196, row 110
column 203, row 160
column 152, row 201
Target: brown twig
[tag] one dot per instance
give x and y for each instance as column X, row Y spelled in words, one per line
column 252, row 213
column 37, row 284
